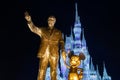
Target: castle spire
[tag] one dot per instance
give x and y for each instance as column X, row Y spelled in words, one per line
column 98, row 74
column 91, row 65
column 83, row 39
column 76, row 13
column 104, row 70
column 71, row 34
column 105, row 75
column 77, row 18
column 77, row 25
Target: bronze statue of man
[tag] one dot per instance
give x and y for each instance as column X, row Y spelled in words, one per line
column 51, row 41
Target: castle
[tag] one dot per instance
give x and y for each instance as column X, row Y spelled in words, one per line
column 77, row 43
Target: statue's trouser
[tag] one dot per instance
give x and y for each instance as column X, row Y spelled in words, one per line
column 53, row 61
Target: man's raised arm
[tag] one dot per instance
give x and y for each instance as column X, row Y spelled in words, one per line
column 31, row 25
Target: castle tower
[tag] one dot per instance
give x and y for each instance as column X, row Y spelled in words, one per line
column 77, row 33
column 93, row 75
column 98, row 74
column 105, row 75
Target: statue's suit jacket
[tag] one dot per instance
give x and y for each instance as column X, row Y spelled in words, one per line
column 53, row 40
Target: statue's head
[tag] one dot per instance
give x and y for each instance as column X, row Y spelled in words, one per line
column 51, row 21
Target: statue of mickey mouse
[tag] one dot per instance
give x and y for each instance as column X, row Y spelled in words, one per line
column 75, row 61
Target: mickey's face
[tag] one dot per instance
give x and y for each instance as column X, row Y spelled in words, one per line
column 75, row 61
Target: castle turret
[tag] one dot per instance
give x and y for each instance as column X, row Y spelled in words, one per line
column 83, row 39
column 83, row 44
column 98, row 74
column 105, row 75
column 68, row 44
column 71, row 34
column 93, row 75
column 77, row 32
column 77, row 24
column 91, row 65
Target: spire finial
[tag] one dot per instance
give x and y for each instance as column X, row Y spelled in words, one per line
column 104, row 70
column 92, row 66
column 77, row 18
column 83, row 39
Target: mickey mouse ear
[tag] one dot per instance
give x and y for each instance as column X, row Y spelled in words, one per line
column 81, row 56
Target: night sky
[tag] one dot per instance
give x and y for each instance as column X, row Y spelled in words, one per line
column 99, row 18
